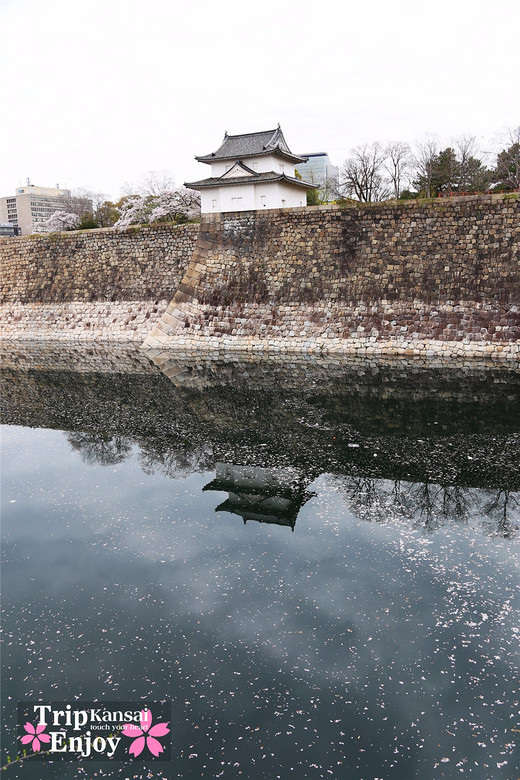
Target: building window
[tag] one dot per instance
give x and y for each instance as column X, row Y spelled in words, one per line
column 282, row 168
column 263, row 200
column 283, row 203
column 236, row 202
column 214, row 203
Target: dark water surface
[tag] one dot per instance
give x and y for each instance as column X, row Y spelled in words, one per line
column 316, row 562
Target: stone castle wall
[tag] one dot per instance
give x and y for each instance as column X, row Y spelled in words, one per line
column 98, row 284
column 400, row 278
column 410, row 278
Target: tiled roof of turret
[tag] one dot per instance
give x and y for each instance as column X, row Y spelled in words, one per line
column 257, row 178
column 235, row 147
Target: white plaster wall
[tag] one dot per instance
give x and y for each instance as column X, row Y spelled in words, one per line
column 265, row 196
column 271, row 193
column 243, row 191
column 293, row 196
column 219, row 168
column 269, row 162
column 252, row 197
column 207, row 198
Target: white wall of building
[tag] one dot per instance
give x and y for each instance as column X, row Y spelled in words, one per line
column 210, row 200
column 291, row 197
column 249, row 197
column 264, row 164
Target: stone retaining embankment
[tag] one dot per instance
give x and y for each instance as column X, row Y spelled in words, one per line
column 94, row 285
column 412, row 279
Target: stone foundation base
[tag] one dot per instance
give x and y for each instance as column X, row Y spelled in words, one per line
column 427, row 349
column 80, row 321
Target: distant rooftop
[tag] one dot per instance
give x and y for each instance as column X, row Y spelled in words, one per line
column 34, row 189
column 235, row 147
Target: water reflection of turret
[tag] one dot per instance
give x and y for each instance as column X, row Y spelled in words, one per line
column 261, row 494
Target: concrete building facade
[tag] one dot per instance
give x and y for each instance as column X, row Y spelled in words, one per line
column 31, row 206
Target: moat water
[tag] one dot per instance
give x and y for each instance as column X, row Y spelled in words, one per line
column 316, row 562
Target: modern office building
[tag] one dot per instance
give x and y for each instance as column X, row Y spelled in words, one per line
column 6, row 229
column 30, row 206
column 319, row 170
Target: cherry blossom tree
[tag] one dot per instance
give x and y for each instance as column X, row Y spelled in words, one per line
column 180, row 205
column 60, row 221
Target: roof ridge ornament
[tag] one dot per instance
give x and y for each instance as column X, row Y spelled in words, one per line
column 271, row 144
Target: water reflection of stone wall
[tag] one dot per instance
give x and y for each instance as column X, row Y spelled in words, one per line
column 393, row 435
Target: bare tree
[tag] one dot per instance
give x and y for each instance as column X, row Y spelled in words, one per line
column 150, row 184
column 473, row 174
column 83, row 201
column 95, row 447
column 465, row 147
column 424, row 160
column 397, row 164
column 361, row 175
column 500, row 521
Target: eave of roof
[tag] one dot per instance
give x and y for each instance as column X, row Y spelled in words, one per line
column 260, row 178
column 209, row 158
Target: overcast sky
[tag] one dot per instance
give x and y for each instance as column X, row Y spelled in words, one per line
column 96, row 94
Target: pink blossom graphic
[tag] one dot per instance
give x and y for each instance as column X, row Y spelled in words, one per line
column 35, row 735
column 145, row 735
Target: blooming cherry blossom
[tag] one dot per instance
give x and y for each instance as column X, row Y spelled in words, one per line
column 168, row 206
column 60, row 220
